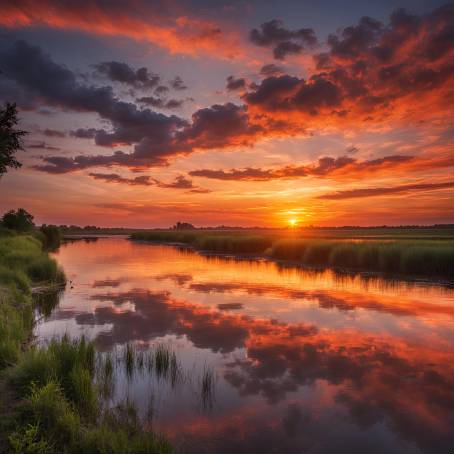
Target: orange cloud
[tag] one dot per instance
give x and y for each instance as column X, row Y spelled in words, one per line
column 136, row 20
column 372, row 74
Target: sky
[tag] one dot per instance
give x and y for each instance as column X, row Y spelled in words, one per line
column 241, row 113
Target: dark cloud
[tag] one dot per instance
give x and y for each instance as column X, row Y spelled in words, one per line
column 161, row 103
column 53, row 133
column 324, row 167
column 290, row 93
column 156, row 136
column 355, row 40
column 62, row 164
column 42, row 146
column 235, row 84
column 142, row 180
column 84, row 133
column 121, row 72
column 178, row 84
column 230, row 306
column 371, row 192
column 161, row 89
column 370, row 72
column 180, row 182
column 271, row 70
column 282, row 40
column 58, row 86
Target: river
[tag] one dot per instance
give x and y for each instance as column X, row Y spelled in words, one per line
column 270, row 359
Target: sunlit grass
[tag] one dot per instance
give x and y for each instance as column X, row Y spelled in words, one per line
column 434, row 258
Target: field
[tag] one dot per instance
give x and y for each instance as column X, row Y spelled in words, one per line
column 418, row 252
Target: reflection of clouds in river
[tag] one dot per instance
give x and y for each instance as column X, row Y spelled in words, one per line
column 282, row 357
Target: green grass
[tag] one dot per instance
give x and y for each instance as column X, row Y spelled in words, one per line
column 409, row 257
column 399, row 255
column 60, row 410
column 23, row 263
column 54, row 405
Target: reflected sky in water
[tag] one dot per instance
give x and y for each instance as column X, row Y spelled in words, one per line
column 303, row 361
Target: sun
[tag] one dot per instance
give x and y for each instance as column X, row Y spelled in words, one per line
column 292, row 222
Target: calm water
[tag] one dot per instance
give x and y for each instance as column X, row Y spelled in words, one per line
column 298, row 361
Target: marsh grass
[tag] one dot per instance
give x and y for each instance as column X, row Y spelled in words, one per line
column 60, row 411
column 207, row 388
column 234, row 243
column 405, row 257
column 23, row 263
column 422, row 257
column 160, row 361
column 129, row 359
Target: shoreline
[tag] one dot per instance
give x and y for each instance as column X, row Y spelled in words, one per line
column 391, row 276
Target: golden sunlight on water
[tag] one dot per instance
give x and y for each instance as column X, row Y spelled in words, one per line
column 269, row 356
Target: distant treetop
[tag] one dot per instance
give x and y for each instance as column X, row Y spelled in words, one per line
column 183, row 226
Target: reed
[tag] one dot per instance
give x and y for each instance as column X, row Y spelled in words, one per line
column 129, row 359
column 432, row 258
column 409, row 257
column 59, row 411
column 207, row 388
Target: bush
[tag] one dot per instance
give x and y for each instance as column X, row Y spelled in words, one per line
column 20, row 220
column 52, row 236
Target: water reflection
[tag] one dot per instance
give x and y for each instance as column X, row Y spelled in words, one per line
column 265, row 359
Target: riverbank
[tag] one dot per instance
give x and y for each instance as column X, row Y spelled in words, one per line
column 432, row 259
column 49, row 400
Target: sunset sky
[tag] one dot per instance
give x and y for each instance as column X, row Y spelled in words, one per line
column 251, row 113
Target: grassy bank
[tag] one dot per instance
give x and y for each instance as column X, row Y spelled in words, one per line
column 431, row 258
column 23, row 263
column 49, row 402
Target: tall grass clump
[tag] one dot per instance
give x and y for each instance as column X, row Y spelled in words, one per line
column 288, row 249
column 60, row 410
column 406, row 257
column 22, row 264
column 234, row 244
column 207, row 388
column 166, row 236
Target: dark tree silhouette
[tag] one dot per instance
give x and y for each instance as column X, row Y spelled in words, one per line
column 20, row 220
column 10, row 138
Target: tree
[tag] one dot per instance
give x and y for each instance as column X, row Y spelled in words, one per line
column 19, row 220
column 183, row 226
column 10, row 138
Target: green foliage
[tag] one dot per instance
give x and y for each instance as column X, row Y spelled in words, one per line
column 52, row 236
column 61, row 405
column 19, row 220
column 22, row 262
column 10, row 138
column 27, row 440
